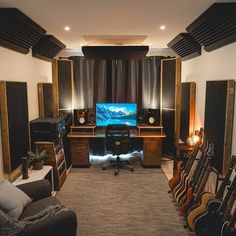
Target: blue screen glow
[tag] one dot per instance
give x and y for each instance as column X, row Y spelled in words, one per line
column 116, row 113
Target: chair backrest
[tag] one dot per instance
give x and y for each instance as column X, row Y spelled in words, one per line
column 117, row 139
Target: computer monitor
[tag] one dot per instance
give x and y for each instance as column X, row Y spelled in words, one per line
column 116, row 113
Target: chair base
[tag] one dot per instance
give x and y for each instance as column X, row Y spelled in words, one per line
column 117, row 164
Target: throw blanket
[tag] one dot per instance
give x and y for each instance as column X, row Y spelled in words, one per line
column 11, row 227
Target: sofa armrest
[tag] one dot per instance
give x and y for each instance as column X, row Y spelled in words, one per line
column 61, row 224
column 37, row 190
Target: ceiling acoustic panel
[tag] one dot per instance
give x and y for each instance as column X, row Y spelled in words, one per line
column 17, row 31
column 216, row 27
column 47, row 48
column 114, row 52
column 185, row 46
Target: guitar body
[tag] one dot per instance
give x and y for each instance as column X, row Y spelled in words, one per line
column 180, row 184
column 227, row 232
column 183, row 191
column 175, row 180
column 188, row 202
column 203, row 222
column 198, row 209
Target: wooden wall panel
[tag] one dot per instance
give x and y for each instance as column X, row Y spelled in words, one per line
column 187, row 116
column 14, row 123
column 45, row 98
column 218, row 123
column 170, row 102
column 62, row 85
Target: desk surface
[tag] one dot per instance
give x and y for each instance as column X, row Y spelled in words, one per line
column 102, row 135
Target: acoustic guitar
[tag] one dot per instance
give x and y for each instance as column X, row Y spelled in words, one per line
column 207, row 223
column 192, row 180
column 228, row 228
column 206, row 197
column 195, row 190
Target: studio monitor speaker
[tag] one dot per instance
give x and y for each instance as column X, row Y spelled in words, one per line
column 153, row 117
column 17, row 31
column 142, row 117
column 80, row 117
column 47, row 48
column 216, row 27
column 185, row 46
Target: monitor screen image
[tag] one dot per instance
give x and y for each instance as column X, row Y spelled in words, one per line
column 116, row 113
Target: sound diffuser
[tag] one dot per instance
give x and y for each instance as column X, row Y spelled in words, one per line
column 17, row 31
column 216, row 27
column 114, row 52
column 185, row 46
column 47, row 48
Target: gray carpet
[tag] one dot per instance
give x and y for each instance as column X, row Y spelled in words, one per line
column 132, row 203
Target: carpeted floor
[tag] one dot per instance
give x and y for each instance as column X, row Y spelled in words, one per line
column 130, row 204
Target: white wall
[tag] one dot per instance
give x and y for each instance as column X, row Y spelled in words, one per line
column 216, row 65
column 19, row 67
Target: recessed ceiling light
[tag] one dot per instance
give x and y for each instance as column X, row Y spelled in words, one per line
column 162, row 27
column 81, row 44
column 67, row 28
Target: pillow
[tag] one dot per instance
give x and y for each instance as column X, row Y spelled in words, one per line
column 12, row 199
column 9, row 226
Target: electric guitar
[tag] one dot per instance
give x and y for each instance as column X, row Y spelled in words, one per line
column 228, row 228
column 206, row 223
column 206, row 197
column 195, row 190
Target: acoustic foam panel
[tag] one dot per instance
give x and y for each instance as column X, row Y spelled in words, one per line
column 185, row 46
column 47, row 48
column 216, row 27
column 17, row 31
column 114, row 52
column 14, row 123
column 218, row 123
column 45, row 96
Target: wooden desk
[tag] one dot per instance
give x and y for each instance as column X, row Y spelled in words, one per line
column 152, row 144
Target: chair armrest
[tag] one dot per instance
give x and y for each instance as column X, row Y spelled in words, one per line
column 37, row 190
column 61, row 224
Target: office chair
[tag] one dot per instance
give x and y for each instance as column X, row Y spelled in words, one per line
column 117, row 141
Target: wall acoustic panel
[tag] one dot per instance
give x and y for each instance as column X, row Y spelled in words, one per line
column 45, row 98
column 187, row 114
column 14, row 123
column 17, row 31
column 170, row 102
column 216, row 27
column 185, row 46
column 218, row 123
column 62, row 85
column 47, row 48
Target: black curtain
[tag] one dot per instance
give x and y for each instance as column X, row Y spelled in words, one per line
column 117, row 81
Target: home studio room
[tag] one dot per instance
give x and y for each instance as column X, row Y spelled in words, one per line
column 117, row 117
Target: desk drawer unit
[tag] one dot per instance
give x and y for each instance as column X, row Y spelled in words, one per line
column 151, row 152
column 80, row 152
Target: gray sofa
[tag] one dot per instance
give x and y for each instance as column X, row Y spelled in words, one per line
column 61, row 224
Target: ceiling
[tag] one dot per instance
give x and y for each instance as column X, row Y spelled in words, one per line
column 126, row 19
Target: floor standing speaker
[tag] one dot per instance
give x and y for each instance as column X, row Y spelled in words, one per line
column 218, row 123
column 14, row 123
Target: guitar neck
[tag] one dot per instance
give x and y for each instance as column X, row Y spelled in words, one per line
column 229, row 206
column 227, row 197
column 192, row 157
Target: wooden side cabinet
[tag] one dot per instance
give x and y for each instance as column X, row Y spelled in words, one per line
column 152, row 152
column 80, row 152
column 56, row 159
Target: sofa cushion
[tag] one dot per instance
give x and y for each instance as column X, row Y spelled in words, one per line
column 12, row 199
column 35, row 207
column 8, row 226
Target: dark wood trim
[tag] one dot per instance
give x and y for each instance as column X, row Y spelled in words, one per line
column 177, row 98
column 40, row 100
column 229, row 117
column 192, row 107
column 55, row 88
column 5, row 128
